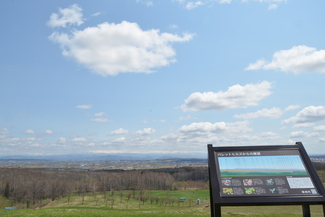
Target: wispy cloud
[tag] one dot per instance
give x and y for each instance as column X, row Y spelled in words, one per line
column 102, row 120
column 67, row 16
column 99, row 114
column 84, row 106
column 96, row 14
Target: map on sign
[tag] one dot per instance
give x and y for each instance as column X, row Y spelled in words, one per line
column 263, row 173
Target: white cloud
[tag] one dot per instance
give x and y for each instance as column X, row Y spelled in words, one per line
column 119, row 140
column 28, row 132
column 199, row 133
column 102, row 120
column 236, row 96
column 320, row 128
column 273, row 6
column 79, row 139
column 269, row 135
column 292, row 107
column 62, row 140
column 298, row 59
column 4, row 131
column 224, row 1
column 204, row 127
column 298, row 134
column 84, row 106
column 264, row 113
column 303, row 125
column 48, row 132
column 119, row 131
column 145, row 2
column 189, row 117
column 145, row 131
column 110, row 49
column 192, row 5
column 173, row 26
column 67, row 16
column 32, row 139
column 308, row 114
column 96, row 14
column 99, row 114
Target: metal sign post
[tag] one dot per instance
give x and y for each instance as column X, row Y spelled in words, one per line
column 263, row 176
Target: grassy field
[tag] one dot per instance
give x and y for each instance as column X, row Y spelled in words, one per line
column 162, row 204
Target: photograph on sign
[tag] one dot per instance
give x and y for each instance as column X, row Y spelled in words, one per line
column 263, row 173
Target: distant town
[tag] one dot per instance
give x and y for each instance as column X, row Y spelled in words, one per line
column 103, row 165
column 93, row 165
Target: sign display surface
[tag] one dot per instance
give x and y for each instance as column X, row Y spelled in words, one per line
column 263, row 173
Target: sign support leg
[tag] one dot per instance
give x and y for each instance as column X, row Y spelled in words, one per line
column 217, row 211
column 306, row 210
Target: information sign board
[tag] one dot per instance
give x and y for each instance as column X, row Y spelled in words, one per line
column 263, row 173
column 267, row 175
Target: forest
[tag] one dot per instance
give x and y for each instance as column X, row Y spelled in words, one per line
column 31, row 186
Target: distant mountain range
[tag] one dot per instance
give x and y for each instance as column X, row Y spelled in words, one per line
column 103, row 157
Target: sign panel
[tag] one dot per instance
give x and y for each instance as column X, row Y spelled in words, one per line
column 263, row 173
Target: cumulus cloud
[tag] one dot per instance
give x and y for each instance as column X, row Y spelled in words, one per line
column 110, row 49
column 236, row 96
column 62, row 140
column 320, row 128
column 204, row 127
column 207, row 132
column 119, row 131
column 66, row 16
column 102, row 120
column 48, row 132
column 298, row 134
column 28, row 132
column 308, row 114
column 84, row 106
column 79, row 139
column 264, row 113
column 145, row 131
column 298, row 59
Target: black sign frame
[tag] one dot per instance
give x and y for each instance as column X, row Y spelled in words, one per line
column 218, row 199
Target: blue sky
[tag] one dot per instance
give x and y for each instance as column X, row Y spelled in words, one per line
column 284, row 162
column 164, row 76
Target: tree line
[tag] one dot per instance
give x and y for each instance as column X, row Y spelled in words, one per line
column 31, row 186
